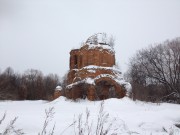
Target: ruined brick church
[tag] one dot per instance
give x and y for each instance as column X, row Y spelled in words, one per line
column 93, row 74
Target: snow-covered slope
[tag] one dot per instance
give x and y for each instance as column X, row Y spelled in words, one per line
column 127, row 116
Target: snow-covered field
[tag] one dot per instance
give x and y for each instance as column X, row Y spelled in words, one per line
column 127, row 116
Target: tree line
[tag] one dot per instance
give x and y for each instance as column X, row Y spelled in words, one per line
column 154, row 72
column 31, row 85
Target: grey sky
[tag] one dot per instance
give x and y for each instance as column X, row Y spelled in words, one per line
column 39, row 34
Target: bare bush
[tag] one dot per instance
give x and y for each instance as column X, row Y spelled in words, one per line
column 103, row 126
column 10, row 128
column 49, row 116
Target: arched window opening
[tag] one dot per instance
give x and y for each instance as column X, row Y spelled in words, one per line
column 75, row 61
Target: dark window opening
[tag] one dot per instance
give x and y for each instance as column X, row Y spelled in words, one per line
column 80, row 61
column 75, row 61
column 105, row 90
column 112, row 92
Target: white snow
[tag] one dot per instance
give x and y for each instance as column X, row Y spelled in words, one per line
column 86, row 80
column 89, row 81
column 102, row 47
column 91, row 71
column 128, row 117
column 100, row 67
column 116, row 77
column 58, row 88
column 100, row 41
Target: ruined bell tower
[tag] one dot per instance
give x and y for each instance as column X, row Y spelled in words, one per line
column 92, row 72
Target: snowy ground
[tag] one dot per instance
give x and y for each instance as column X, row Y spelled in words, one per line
column 127, row 116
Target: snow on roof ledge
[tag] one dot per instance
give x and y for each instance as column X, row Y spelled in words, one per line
column 104, row 47
column 94, row 67
column 118, row 80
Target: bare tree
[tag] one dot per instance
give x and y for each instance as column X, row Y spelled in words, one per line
column 112, row 41
column 101, row 38
column 50, row 83
column 31, row 85
column 158, row 66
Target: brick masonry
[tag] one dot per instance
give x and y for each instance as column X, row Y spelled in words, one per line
column 81, row 61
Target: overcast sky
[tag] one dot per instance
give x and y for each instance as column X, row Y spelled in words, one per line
column 39, row 34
